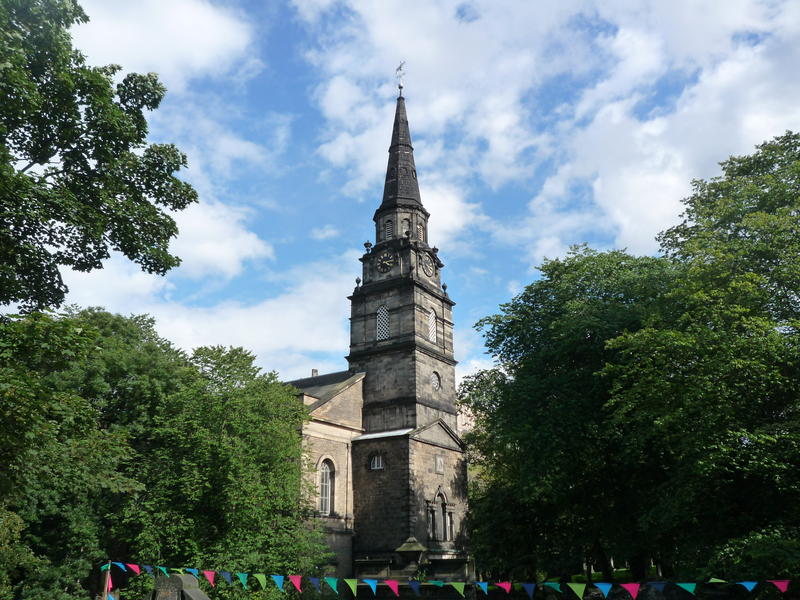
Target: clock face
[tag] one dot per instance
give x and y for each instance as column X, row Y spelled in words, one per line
column 427, row 264
column 385, row 261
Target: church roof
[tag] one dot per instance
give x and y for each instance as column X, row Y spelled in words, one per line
column 326, row 386
column 401, row 187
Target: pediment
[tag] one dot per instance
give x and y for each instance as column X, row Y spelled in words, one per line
column 438, row 433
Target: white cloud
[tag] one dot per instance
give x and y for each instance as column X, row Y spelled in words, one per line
column 178, row 39
column 325, row 232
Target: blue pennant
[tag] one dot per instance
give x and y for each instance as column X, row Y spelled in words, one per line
column 604, row 587
column 226, row 575
column 315, row 582
column 372, row 583
column 194, row 572
column 748, row 585
column 149, row 569
column 529, row 588
column 278, row 579
column 657, row 585
column 121, row 566
column 483, row 586
column 414, row 585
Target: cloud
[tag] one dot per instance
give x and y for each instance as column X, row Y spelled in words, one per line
column 325, row 232
column 302, row 323
column 178, row 39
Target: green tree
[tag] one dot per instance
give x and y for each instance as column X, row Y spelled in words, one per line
column 541, row 435
column 161, row 458
column 77, row 177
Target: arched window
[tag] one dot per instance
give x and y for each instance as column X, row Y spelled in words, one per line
column 420, row 232
column 388, row 230
column 376, row 462
column 382, row 324
column 432, row 326
column 326, row 481
column 406, row 227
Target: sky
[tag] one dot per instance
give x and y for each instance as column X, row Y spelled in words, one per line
column 536, row 126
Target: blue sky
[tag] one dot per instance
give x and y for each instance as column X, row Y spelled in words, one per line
column 536, row 125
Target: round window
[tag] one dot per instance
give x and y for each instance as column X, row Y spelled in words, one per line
column 436, row 381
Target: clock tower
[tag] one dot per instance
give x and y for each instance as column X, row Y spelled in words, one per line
column 409, row 470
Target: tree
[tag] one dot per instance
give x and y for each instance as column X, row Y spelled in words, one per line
column 648, row 407
column 77, row 178
column 121, row 446
column 541, row 434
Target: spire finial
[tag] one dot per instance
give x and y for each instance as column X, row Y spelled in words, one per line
column 400, row 73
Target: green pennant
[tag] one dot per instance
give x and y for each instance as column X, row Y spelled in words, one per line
column 458, row 586
column 554, row 585
column 715, row 580
column 578, row 588
column 689, row 587
column 352, row 584
column 435, row 582
column 177, row 570
column 163, row 570
column 333, row 584
column 262, row 579
column 104, row 567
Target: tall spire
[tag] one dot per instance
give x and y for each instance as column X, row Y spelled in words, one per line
column 401, row 186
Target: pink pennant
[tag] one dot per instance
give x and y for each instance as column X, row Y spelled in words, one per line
column 504, row 585
column 392, row 583
column 781, row 584
column 134, row 568
column 632, row 589
column 210, row 576
column 296, row 579
column 110, row 584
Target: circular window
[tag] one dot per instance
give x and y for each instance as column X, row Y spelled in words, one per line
column 436, row 381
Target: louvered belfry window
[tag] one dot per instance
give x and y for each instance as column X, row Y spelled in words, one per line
column 432, row 326
column 420, row 232
column 388, row 230
column 382, row 323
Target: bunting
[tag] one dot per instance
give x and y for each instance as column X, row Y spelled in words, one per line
column 631, row 588
column 604, row 588
column 459, row 587
column 578, row 588
column 393, row 585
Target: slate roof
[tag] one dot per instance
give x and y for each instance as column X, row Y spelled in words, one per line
column 328, row 385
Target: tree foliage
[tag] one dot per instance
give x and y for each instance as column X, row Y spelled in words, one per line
column 648, row 407
column 77, row 177
column 117, row 445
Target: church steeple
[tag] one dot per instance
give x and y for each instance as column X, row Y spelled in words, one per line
column 401, row 187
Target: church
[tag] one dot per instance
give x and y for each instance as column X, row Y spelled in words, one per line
column 390, row 471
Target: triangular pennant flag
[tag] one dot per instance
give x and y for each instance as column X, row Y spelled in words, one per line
column 333, row 582
column 748, row 585
column 352, row 583
column 278, row 579
column 226, row 575
column 392, row 583
column 121, row 566
column 296, row 581
column 689, row 587
column 195, row 572
column 578, row 588
column 414, row 585
column 781, row 584
column 603, row 587
column 529, row 589
column 163, row 570
column 110, row 597
column 715, row 580
column 315, row 582
column 504, row 585
column 149, row 569
column 210, row 576
column 134, row 568
column 657, row 585
column 262, row 579
column 105, row 566
column 631, row 588
column 482, row 586
column 554, row 585
column 458, row 586
column 243, row 578
column 372, row 583
column 110, row 585
column 436, row 582
column 177, row 570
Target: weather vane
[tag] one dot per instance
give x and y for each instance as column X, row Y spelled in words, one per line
column 400, row 74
